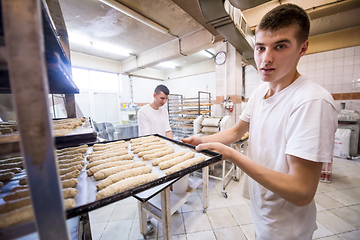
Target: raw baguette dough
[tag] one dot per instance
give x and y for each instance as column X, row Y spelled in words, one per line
column 136, row 140
column 146, row 145
column 123, row 175
column 126, row 184
column 70, row 156
column 108, row 144
column 177, row 160
column 11, row 160
column 151, row 147
column 95, row 169
column 113, row 146
column 78, row 165
column 152, row 156
column 69, row 192
column 14, row 170
column 186, row 164
column 67, row 170
column 11, row 165
column 140, row 154
column 21, row 202
column 73, row 152
column 16, row 195
column 101, row 153
column 69, row 149
column 6, row 176
column 67, row 161
column 108, row 155
column 69, row 183
column 110, row 171
column 25, row 214
column 70, row 175
column 112, row 159
column 167, row 157
column 152, row 140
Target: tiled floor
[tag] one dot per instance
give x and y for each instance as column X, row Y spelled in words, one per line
column 338, row 217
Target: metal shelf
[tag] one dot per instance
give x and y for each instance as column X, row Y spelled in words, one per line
column 183, row 111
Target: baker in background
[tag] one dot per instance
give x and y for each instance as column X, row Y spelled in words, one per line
column 154, row 119
column 292, row 123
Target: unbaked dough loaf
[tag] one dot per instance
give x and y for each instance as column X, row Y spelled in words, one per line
column 147, row 148
column 78, row 165
column 152, row 156
column 167, row 157
column 112, row 159
column 67, row 161
column 110, row 171
column 11, row 160
column 136, row 140
column 93, row 170
column 6, row 176
column 101, row 153
column 113, row 146
column 67, row 170
column 70, row 156
column 14, row 170
column 123, row 175
column 25, row 214
column 139, row 148
column 126, row 184
column 70, row 175
column 69, row 149
column 186, row 164
column 177, row 160
column 140, row 154
column 108, row 155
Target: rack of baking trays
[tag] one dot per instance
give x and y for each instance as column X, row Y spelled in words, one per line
column 183, row 111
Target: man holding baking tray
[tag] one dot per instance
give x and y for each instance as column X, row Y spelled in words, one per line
column 153, row 119
column 292, row 123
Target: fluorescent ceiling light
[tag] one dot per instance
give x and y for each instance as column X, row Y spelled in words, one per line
column 118, row 6
column 110, row 48
column 80, row 41
column 206, row 53
column 167, row 65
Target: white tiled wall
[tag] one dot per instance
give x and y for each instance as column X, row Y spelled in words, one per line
column 143, row 89
column 338, row 71
column 189, row 86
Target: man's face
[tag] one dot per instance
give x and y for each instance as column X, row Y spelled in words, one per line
column 277, row 54
column 160, row 99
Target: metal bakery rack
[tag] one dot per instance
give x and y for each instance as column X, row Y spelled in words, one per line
column 183, row 112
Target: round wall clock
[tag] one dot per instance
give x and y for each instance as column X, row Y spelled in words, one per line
column 220, row 58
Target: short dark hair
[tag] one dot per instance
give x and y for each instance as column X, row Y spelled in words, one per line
column 162, row 88
column 284, row 16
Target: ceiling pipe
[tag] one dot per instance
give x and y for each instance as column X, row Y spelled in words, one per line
column 118, row 6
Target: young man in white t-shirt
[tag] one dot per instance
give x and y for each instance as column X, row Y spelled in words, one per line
column 292, row 123
column 154, row 119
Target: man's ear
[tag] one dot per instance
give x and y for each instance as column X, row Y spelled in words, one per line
column 154, row 94
column 304, row 47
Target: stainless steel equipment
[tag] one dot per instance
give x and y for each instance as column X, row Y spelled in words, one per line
column 349, row 119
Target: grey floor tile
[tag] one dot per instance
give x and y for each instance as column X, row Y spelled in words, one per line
column 204, row 235
column 348, row 215
column 322, row 231
column 221, row 218
column 119, row 230
column 334, row 223
column 249, row 231
column 229, row 233
column 353, row 235
column 327, row 202
column 241, row 214
column 196, row 221
column 342, row 197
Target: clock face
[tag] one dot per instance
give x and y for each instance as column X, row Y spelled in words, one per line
column 220, row 58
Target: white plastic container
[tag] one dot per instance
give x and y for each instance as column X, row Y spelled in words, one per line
column 181, row 185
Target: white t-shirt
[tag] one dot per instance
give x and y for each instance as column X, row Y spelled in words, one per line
column 300, row 120
column 153, row 121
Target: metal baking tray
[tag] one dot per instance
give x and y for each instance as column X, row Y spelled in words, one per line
column 85, row 199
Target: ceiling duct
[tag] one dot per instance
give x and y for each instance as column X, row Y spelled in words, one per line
column 236, row 32
column 246, row 4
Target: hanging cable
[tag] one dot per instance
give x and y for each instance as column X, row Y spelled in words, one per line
column 179, row 43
